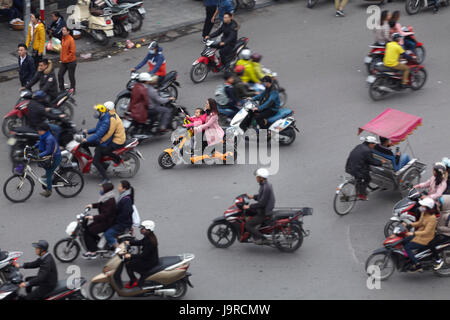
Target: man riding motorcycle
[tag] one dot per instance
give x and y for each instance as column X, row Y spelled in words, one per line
column 46, row 78
column 156, row 61
column 269, row 103
column 156, row 104
column 47, row 277
column 265, row 204
column 392, row 55
column 116, row 132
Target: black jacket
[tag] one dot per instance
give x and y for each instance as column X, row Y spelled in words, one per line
column 359, row 160
column 124, row 218
column 48, row 274
column 265, row 198
column 148, row 258
column 37, row 114
column 26, row 70
column 47, row 81
column 106, row 216
column 229, row 33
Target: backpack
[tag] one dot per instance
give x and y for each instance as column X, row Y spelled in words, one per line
column 221, row 96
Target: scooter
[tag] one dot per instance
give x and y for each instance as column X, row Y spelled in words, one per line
column 135, row 11
column 101, row 28
column 414, row 6
column 168, row 279
column 119, row 16
column 68, row 249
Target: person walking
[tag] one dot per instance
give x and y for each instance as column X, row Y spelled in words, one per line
column 223, row 6
column 339, row 5
column 36, row 38
column 26, row 65
column 211, row 7
column 68, row 59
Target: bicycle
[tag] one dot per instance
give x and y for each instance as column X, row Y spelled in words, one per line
column 345, row 196
column 67, row 181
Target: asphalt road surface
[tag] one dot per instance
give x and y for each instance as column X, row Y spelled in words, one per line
column 319, row 59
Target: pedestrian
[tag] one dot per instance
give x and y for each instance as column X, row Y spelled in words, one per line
column 26, row 65
column 223, row 6
column 36, row 38
column 340, row 4
column 68, row 59
column 211, row 7
column 55, row 29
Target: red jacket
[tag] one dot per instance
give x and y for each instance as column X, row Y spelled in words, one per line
column 139, row 103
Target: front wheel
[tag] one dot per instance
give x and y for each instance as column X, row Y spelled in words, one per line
column 122, row 105
column 345, row 199
column 11, row 123
column 199, row 72
column 418, row 79
column 66, row 250
column 413, row 6
column 101, row 291
column 68, row 182
column 444, row 271
column 288, row 239
column 172, row 91
column 18, row 188
column 380, row 266
column 420, row 54
column 221, row 234
column 100, row 37
column 165, row 161
column 130, row 166
column 311, row 3
column 390, row 226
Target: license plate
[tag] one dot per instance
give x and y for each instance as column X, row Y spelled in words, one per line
column 367, row 60
column 128, row 27
column 109, row 33
column 142, row 10
column 126, row 123
column 371, row 79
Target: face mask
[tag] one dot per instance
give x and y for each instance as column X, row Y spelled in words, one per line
column 97, row 114
column 101, row 192
column 422, row 209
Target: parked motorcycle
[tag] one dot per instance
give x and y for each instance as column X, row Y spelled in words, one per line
column 100, row 28
column 210, row 59
column 283, row 228
column 17, row 116
column 119, row 16
column 414, row 6
column 68, row 249
column 134, row 10
column 382, row 263
column 168, row 279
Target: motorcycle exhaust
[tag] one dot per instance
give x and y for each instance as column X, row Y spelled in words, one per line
column 383, row 88
column 165, row 292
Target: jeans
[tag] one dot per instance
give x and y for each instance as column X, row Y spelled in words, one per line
column 404, row 159
column 409, row 246
column 56, row 130
column 340, row 4
column 111, row 234
column 71, row 66
column 49, row 172
column 165, row 115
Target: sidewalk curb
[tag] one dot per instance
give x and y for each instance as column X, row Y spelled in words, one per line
column 9, row 72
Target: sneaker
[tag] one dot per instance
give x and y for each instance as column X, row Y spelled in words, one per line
column 439, row 264
column 415, row 268
column 362, row 197
column 130, row 285
column 337, row 14
column 340, row 13
column 46, row 193
column 89, row 255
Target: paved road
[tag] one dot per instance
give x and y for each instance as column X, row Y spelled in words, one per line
column 319, row 59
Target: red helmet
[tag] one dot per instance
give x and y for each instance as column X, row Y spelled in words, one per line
column 256, row 57
column 239, row 69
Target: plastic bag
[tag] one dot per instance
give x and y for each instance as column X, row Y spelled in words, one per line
column 135, row 216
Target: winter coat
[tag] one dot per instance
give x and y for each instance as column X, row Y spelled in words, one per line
column 26, row 70
column 47, row 276
column 269, row 98
column 47, row 81
column 214, row 133
column 36, row 35
column 97, row 133
column 359, row 160
column 425, row 229
column 434, row 191
column 47, row 145
column 68, row 49
column 196, row 121
column 56, row 27
column 106, row 213
column 148, row 258
column 241, row 90
column 37, row 114
column 156, row 62
column 229, row 33
column 265, row 198
column 116, row 132
column 249, row 72
column 124, row 217
column 155, row 100
column 139, row 103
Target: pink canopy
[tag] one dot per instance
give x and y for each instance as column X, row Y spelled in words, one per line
column 392, row 124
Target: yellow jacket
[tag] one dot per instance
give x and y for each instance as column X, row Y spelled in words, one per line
column 249, row 72
column 425, row 229
column 115, row 128
column 258, row 70
column 38, row 38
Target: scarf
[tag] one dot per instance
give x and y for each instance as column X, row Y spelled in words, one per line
column 106, row 196
column 123, row 195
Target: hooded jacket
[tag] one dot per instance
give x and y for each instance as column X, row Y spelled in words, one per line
column 249, row 72
column 269, row 98
column 139, row 103
column 156, row 62
column 106, row 213
column 116, row 130
column 47, row 81
column 47, row 145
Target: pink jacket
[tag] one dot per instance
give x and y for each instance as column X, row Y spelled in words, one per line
column 214, row 133
column 196, row 121
column 434, row 191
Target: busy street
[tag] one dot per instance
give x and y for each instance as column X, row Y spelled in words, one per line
column 319, row 61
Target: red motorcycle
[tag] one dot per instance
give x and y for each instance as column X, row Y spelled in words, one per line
column 16, row 117
column 210, row 59
column 376, row 53
column 283, row 228
column 79, row 157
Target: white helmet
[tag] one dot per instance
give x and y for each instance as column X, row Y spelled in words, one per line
column 109, row 105
column 371, row 139
column 144, row 76
column 427, row 202
column 148, row 225
column 262, row 172
column 246, row 54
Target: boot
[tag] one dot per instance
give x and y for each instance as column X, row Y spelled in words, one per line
column 46, row 193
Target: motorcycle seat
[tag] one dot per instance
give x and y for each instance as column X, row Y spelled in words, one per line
column 239, row 43
column 382, row 68
column 164, row 262
column 128, row 142
column 61, row 286
column 60, row 95
column 282, row 214
column 282, row 113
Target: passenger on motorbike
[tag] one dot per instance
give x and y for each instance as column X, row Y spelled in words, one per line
column 383, row 148
column 107, row 208
column 241, row 90
column 46, row 78
column 96, row 138
column 256, row 62
column 250, row 76
column 382, row 34
column 392, row 55
column 147, row 259
column 446, row 162
column 396, row 27
column 116, row 132
column 156, row 61
column 437, row 184
column 265, row 204
column 442, row 229
column 269, row 103
column 424, row 232
column 199, row 118
column 156, row 107
column 47, row 277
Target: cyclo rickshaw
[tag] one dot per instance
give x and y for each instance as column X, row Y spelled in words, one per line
column 396, row 126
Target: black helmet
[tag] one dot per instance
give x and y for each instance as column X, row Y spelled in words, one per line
column 396, row 36
column 153, row 45
column 41, row 244
column 267, row 79
column 256, row 57
column 39, row 95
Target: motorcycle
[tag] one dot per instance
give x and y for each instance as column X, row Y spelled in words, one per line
column 68, row 249
column 282, row 125
column 243, row 4
column 168, row 86
column 210, row 59
column 100, row 28
column 79, row 157
column 119, row 16
column 17, row 116
column 134, row 10
column 283, row 228
column 386, row 80
column 414, row 6
column 168, row 279
column 382, row 263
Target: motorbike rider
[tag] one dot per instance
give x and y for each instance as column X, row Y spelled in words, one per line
column 384, row 148
column 437, row 184
column 156, row 61
column 358, row 163
column 424, row 232
column 106, row 207
column 269, row 103
column 46, row 78
column 241, row 90
column 250, row 76
column 47, row 277
column 446, row 162
column 229, row 32
column 156, row 104
column 442, row 229
column 392, row 55
column 139, row 101
column 116, row 132
column 265, row 204
column 96, row 138
column 147, row 259
column 382, row 34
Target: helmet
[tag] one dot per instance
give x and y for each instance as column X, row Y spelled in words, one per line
column 370, row 139
column 239, row 69
column 446, row 162
column 148, row 225
column 100, row 108
column 267, row 79
column 144, row 76
column 427, row 202
column 39, row 95
column 41, row 244
column 262, row 172
column 396, row 35
column 109, row 105
column 246, row 54
column 153, row 45
column 256, row 57
column 440, row 167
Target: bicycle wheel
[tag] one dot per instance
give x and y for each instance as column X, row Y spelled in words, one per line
column 69, row 182
column 18, row 188
column 345, row 199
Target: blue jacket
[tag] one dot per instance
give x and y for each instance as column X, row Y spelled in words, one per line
column 47, row 144
column 224, row 6
column 211, row 3
column 273, row 101
column 156, row 59
column 56, row 27
column 124, row 213
column 100, row 130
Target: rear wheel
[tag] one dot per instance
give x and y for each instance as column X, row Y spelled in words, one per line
column 413, row 6
column 380, row 266
column 221, row 234
column 288, row 239
column 11, row 123
column 444, row 271
column 66, row 250
column 345, row 199
column 199, row 72
column 287, row 136
column 165, row 161
column 418, row 79
column 71, row 182
column 374, row 90
column 181, row 289
column 136, row 19
column 18, row 188
column 122, row 105
column 100, row 37
column 101, row 291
